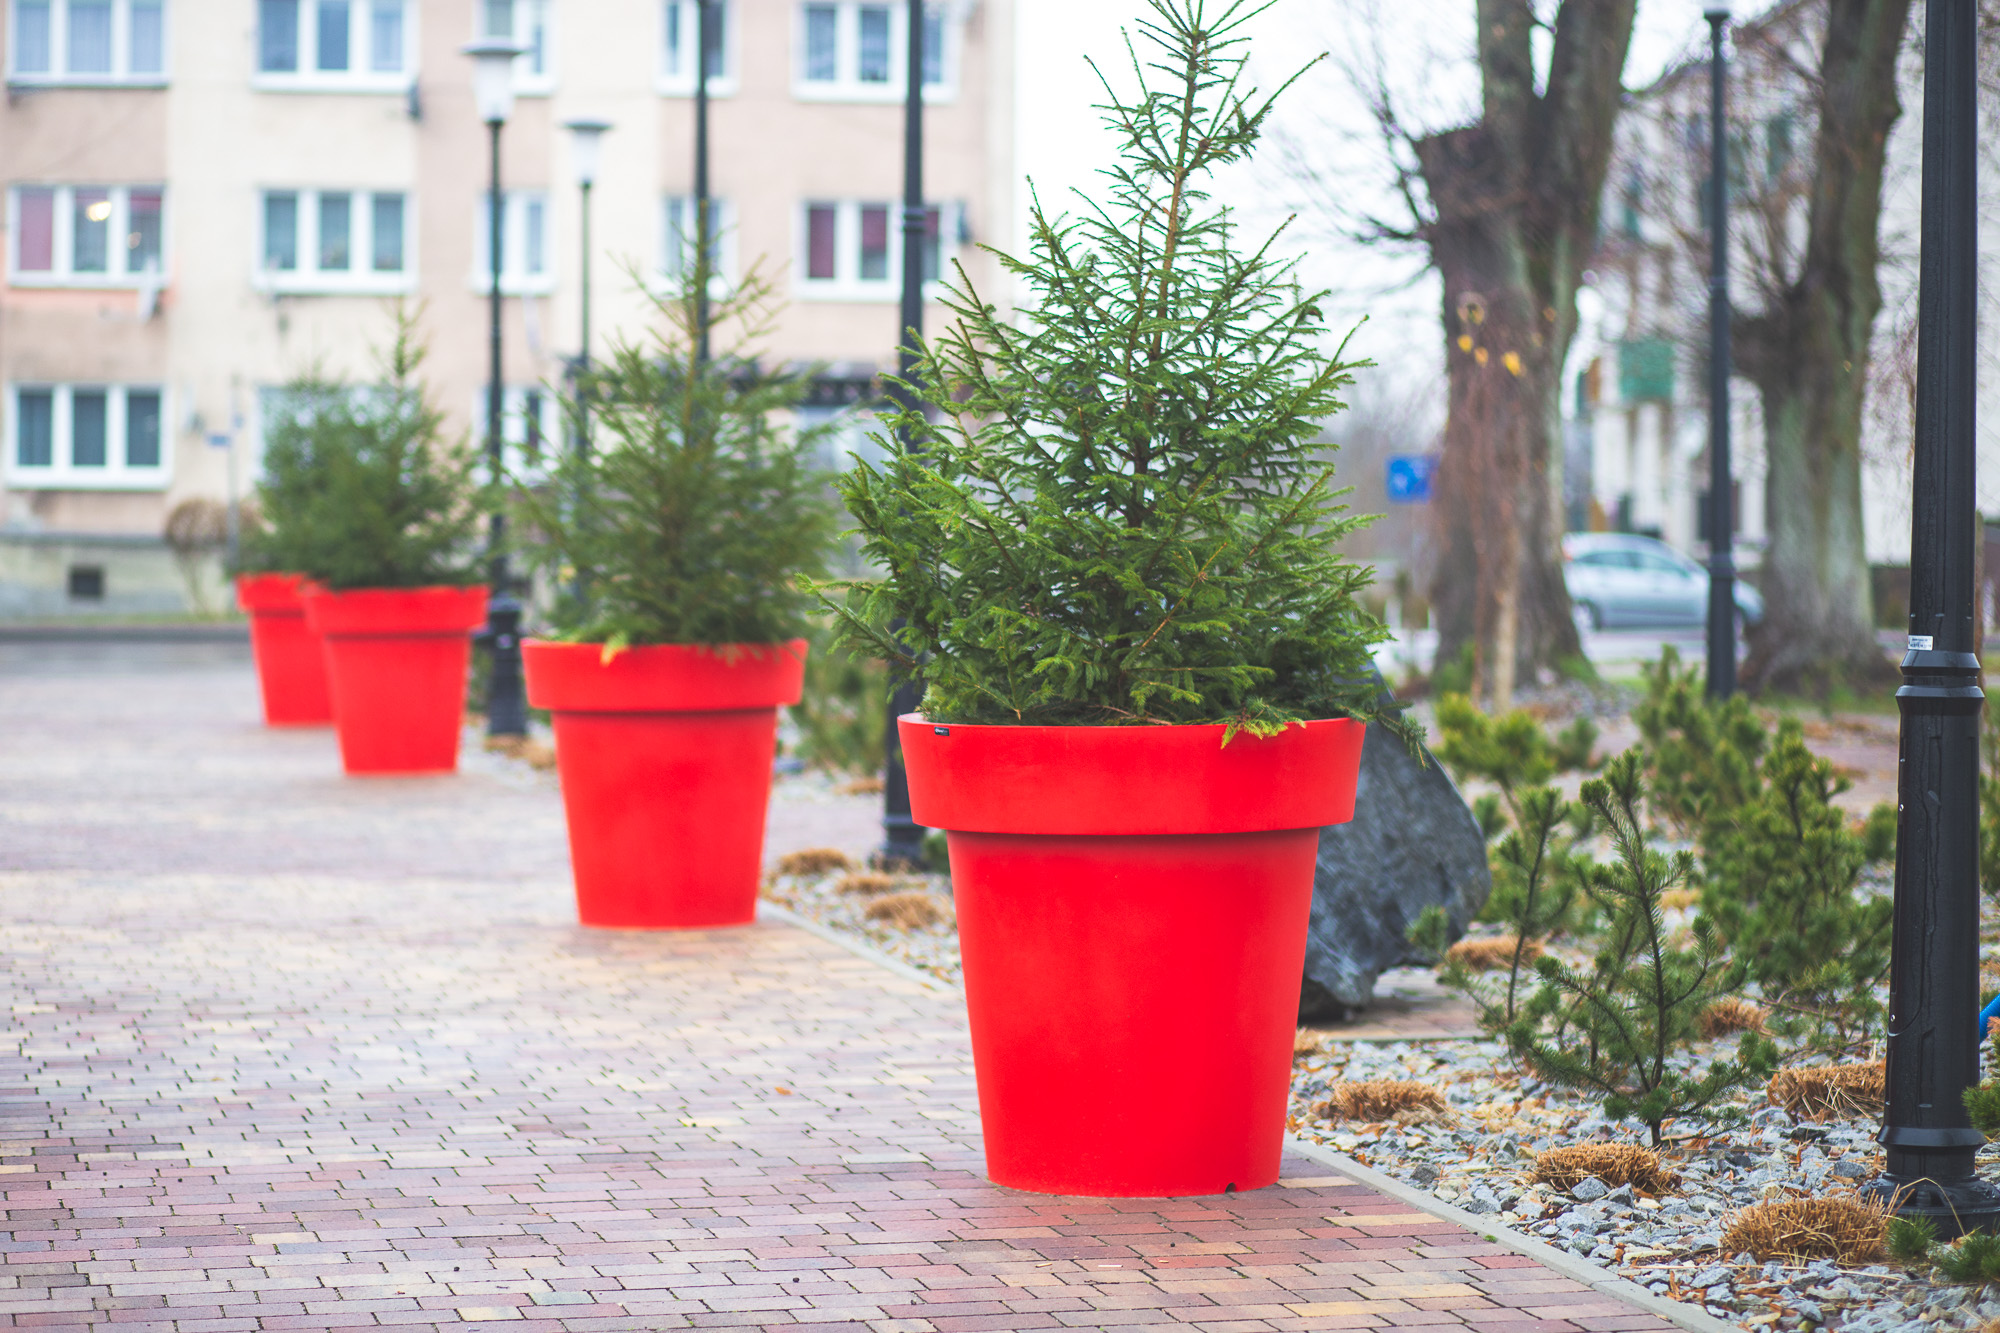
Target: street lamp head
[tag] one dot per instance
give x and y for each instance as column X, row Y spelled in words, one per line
column 1716, row 13
column 584, row 142
column 493, row 76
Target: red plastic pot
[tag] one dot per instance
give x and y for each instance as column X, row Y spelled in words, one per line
column 665, row 758
column 1132, row 909
column 396, row 662
column 291, row 668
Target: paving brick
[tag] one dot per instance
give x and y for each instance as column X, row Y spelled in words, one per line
column 293, row 1051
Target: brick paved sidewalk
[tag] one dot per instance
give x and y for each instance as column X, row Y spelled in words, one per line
column 290, row 1051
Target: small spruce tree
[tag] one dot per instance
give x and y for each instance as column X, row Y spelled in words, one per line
column 1623, row 1025
column 1118, row 511
column 361, row 487
column 697, row 510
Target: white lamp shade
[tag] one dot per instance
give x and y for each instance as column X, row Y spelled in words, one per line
column 585, row 143
column 493, row 76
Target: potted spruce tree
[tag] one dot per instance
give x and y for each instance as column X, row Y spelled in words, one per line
column 675, row 544
column 366, row 499
column 1145, row 670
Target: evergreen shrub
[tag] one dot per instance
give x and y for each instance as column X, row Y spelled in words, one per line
column 362, row 488
column 696, row 510
column 1117, row 509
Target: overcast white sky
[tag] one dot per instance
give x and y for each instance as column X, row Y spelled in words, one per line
column 1061, row 142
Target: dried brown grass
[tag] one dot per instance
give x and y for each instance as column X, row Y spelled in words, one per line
column 539, row 755
column 1381, row 1099
column 1491, row 954
column 1613, row 1163
column 1675, row 900
column 1731, row 1015
column 1821, row 1091
column 811, row 861
column 867, row 882
column 1842, row 1227
column 906, row 911
column 863, row 786
column 1305, row 1042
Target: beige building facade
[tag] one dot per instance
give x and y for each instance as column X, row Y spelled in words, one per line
column 206, row 198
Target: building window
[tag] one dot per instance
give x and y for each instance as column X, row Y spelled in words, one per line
column 342, row 45
column 525, row 22
column 86, row 235
column 524, row 243
column 679, row 20
column 334, row 241
column 854, row 250
column 87, row 436
column 88, row 41
column 856, row 50
column 678, row 254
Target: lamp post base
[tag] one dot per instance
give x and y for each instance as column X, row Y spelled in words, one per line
column 506, row 694
column 902, row 844
column 1955, row 1207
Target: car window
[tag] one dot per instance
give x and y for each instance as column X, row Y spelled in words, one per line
column 1655, row 563
column 1595, row 559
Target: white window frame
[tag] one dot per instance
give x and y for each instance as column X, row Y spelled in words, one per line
column 847, row 284
column 57, row 74
column 846, row 85
column 118, row 225
column 514, row 429
column 358, row 77
column 62, row 474
column 672, row 82
column 524, row 15
column 360, row 277
column 667, row 272
column 515, row 280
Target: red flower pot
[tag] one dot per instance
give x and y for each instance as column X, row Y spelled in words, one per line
column 1132, row 909
column 396, row 660
column 665, row 758
column 291, row 669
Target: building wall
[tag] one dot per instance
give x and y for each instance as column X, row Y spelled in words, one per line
column 216, row 135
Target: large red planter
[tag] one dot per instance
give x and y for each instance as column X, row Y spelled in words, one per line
column 291, row 669
column 396, row 662
column 1132, row 909
column 665, row 758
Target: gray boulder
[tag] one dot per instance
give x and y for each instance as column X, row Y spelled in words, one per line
column 1412, row 842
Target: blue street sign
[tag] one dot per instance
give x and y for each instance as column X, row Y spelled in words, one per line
column 1410, row 478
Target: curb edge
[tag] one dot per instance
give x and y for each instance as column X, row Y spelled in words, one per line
column 1569, row 1265
column 768, row 910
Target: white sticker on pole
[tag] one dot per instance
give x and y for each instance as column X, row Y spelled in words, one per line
column 1920, row 643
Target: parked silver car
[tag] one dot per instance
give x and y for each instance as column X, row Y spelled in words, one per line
column 1617, row 580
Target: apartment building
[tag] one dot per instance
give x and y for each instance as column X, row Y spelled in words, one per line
column 205, row 198
column 1637, row 416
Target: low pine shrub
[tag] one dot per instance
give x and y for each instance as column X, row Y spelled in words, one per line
column 1911, row 1239
column 1974, row 1259
column 1620, row 1026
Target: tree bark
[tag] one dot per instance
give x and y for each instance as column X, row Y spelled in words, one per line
column 1807, row 354
column 1515, row 200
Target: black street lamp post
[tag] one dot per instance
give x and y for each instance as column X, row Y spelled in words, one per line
column 506, row 700
column 902, row 837
column 586, row 140
column 1934, row 966
column 1721, row 516
column 703, row 27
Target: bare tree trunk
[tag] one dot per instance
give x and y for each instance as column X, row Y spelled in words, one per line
column 1516, row 198
column 1807, row 353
